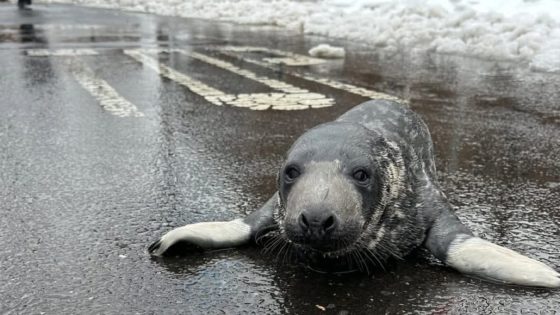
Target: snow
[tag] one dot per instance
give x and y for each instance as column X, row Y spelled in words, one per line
column 519, row 30
column 327, row 51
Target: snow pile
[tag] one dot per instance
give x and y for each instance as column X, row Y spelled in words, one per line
column 327, row 51
column 524, row 30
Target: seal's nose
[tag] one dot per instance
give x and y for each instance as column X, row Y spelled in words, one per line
column 316, row 224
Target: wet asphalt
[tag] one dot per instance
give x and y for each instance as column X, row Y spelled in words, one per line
column 83, row 191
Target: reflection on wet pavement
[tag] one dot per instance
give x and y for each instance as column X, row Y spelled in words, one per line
column 83, row 192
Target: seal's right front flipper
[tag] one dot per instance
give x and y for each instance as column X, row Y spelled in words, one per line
column 214, row 235
column 475, row 256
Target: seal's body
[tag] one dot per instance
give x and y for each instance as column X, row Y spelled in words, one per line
column 365, row 185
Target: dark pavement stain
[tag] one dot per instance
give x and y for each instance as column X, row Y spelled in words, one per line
column 84, row 192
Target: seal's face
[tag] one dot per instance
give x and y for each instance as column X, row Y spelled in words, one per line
column 331, row 187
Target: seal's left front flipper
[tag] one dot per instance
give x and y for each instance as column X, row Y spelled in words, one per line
column 452, row 242
column 473, row 255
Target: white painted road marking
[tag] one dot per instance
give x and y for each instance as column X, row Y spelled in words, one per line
column 61, row 52
column 275, row 84
column 107, row 97
column 285, row 57
column 291, row 98
column 209, row 93
column 270, row 63
column 287, row 97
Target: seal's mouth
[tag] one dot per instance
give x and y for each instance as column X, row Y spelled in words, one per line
column 331, row 248
column 329, row 242
column 312, row 238
column 333, row 253
column 354, row 257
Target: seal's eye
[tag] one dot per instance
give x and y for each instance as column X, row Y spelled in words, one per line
column 361, row 176
column 291, row 173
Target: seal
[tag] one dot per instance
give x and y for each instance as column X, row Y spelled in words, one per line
column 365, row 186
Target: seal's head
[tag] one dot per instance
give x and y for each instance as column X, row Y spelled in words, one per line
column 333, row 187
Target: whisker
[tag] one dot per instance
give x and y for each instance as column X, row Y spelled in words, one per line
column 390, row 251
column 264, row 232
column 368, row 255
column 277, row 245
column 378, row 259
column 358, row 260
column 289, row 252
column 269, row 240
column 272, row 244
column 348, row 261
column 360, row 253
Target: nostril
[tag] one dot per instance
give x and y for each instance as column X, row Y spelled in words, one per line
column 303, row 222
column 329, row 223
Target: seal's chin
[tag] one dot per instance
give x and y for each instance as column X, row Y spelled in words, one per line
column 332, row 249
column 335, row 243
column 336, row 253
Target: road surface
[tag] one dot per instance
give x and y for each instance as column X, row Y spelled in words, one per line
column 116, row 127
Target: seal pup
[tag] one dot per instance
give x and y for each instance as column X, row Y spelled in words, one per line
column 366, row 183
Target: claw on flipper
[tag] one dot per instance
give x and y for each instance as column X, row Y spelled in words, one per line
column 154, row 246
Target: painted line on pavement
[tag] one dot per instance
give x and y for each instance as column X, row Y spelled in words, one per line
column 272, row 83
column 61, row 52
column 290, row 98
column 209, row 93
column 109, row 99
column 233, row 52
column 286, row 57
